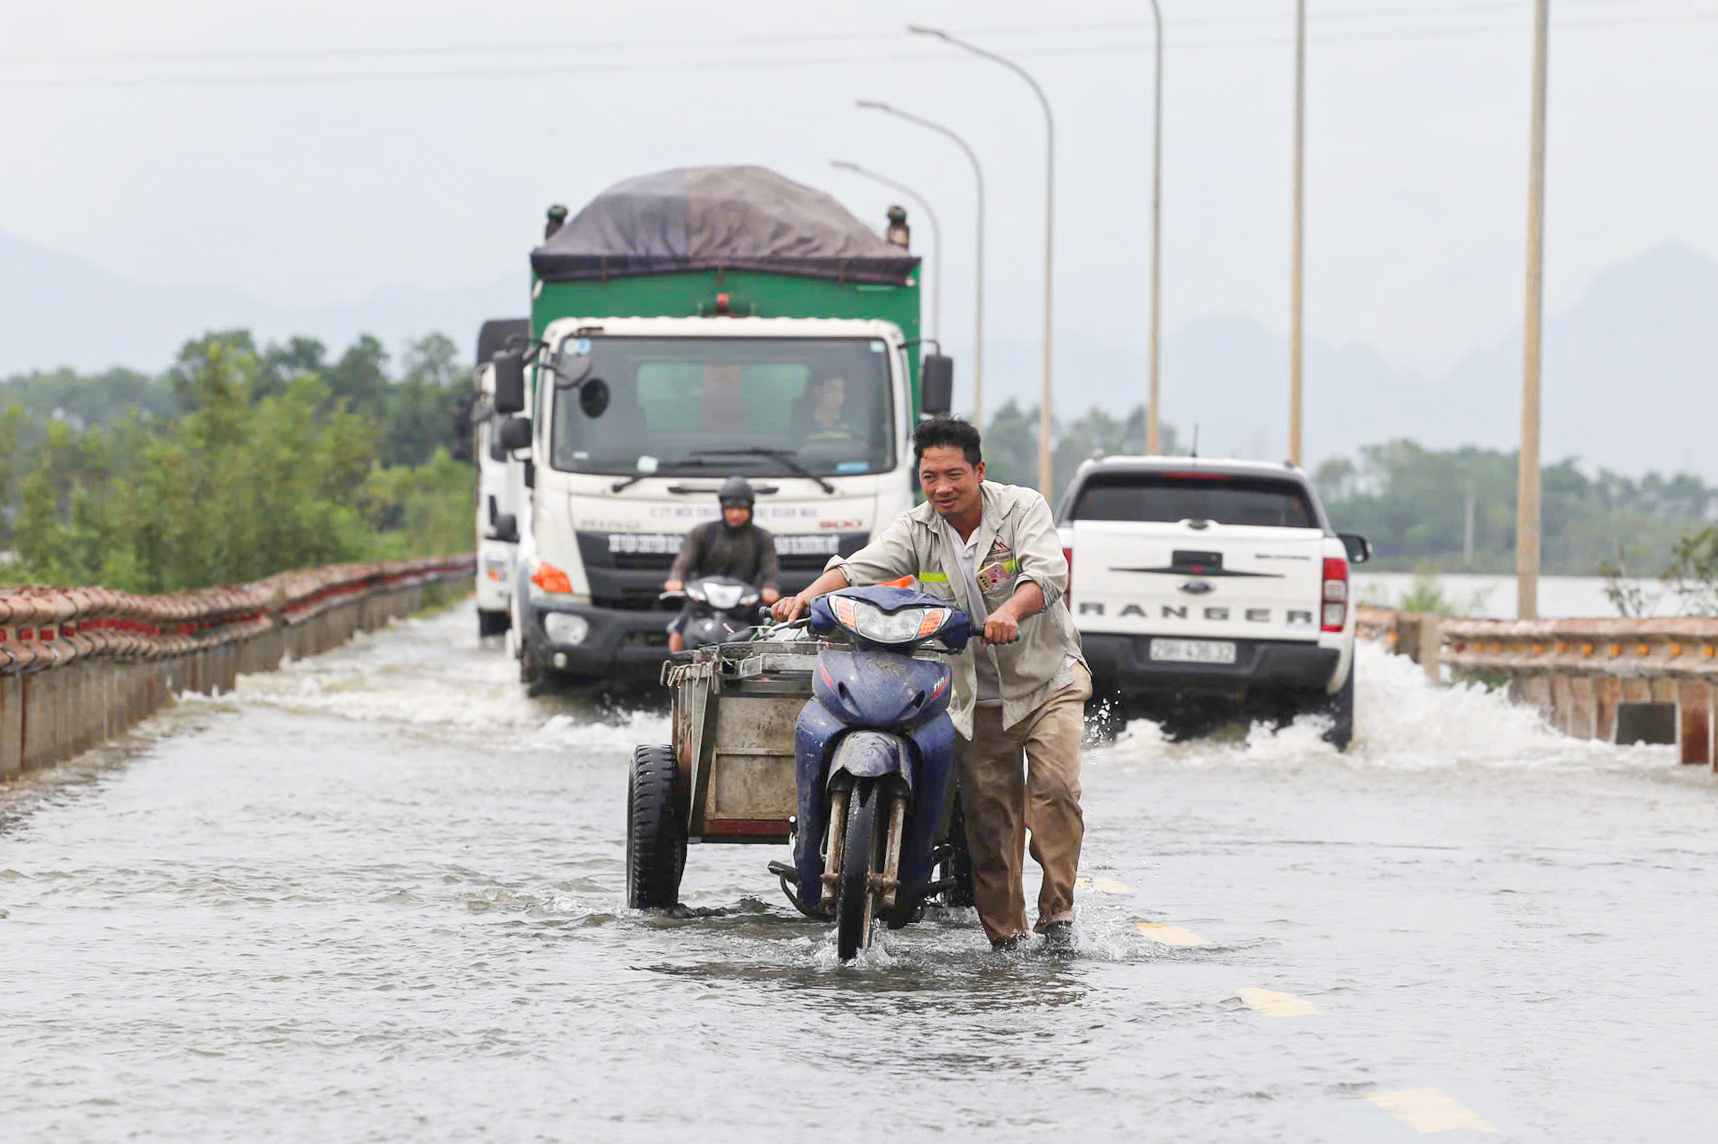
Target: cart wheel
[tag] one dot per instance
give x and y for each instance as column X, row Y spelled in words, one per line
column 655, row 830
column 860, row 858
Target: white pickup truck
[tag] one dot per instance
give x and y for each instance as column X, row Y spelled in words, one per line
column 1210, row 589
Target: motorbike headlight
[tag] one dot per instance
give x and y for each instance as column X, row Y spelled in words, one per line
column 867, row 621
column 723, row 596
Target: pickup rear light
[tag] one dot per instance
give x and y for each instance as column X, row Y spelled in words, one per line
column 1335, row 593
column 1068, row 555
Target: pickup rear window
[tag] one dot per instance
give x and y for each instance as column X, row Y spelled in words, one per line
column 1169, row 497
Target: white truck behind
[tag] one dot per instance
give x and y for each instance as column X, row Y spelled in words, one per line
column 1210, row 589
column 500, row 484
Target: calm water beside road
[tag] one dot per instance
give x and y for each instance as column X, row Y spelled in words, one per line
column 377, row 897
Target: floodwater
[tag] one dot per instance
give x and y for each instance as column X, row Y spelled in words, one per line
column 1561, row 597
column 377, row 896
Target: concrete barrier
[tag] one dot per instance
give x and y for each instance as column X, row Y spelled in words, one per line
column 81, row 665
column 1619, row 680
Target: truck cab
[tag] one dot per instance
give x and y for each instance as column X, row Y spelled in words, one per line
column 688, row 326
column 635, row 424
column 1210, row 589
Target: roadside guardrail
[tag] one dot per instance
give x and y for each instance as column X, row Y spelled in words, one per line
column 79, row 666
column 1619, row 680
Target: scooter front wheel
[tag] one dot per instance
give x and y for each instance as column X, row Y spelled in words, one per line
column 861, row 848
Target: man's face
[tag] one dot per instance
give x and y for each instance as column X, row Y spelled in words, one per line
column 950, row 482
column 736, row 513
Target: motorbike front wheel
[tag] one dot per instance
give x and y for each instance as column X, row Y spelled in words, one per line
column 861, row 856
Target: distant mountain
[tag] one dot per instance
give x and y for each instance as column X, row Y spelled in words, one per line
column 57, row 310
column 1227, row 375
column 1630, row 380
column 1630, row 375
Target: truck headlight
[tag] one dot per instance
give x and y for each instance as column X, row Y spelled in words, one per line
column 566, row 628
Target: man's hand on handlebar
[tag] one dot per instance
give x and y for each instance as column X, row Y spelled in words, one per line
column 787, row 609
column 769, row 595
column 673, row 585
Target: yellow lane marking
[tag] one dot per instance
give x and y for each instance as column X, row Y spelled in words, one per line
column 1101, row 886
column 1429, row 1110
column 1164, row 934
column 1274, row 1004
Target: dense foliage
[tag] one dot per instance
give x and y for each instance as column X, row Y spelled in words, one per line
column 238, row 463
column 1419, row 507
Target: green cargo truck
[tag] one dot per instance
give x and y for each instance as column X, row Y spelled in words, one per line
column 687, row 325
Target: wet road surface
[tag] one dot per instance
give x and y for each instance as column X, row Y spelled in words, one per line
column 376, row 896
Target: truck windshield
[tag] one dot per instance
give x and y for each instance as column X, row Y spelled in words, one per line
column 1170, row 497
column 818, row 404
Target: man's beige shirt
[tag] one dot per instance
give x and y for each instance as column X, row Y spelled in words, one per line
column 1017, row 541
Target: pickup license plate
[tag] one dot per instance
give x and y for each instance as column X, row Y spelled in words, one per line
column 1193, row 651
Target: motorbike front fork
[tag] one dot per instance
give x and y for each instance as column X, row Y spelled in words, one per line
column 885, row 883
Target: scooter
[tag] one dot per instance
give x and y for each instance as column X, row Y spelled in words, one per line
column 724, row 610
column 874, row 753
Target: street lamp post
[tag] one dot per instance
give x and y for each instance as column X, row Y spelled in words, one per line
column 936, row 234
column 978, row 278
column 1527, row 478
column 1295, row 346
column 1045, row 470
column 1152, row 423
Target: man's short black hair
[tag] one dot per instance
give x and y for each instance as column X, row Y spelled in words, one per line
column 940, row 431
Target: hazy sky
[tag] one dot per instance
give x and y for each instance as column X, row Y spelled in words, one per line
column 258, row 175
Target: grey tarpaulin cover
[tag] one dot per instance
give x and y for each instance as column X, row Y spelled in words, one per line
column 708, row 218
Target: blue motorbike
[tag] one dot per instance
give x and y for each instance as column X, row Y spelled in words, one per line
column 874, row 753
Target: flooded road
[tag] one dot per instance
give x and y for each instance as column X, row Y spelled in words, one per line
column 377, row 897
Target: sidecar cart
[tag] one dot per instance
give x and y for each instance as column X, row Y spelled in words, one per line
column 728, row 776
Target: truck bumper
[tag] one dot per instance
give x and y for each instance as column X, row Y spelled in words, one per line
column 1123, row 663
column 614, row 645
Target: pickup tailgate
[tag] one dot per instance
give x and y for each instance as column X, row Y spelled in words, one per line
column 1216, row 581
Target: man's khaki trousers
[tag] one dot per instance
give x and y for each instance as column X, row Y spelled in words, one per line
column 1002, row 800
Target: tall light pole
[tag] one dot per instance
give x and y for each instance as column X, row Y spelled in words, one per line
column 1295, row 348
column 978, row 277
column 1045, row 410
column 1527, row 481
column 1152, row 423
column 936, row 234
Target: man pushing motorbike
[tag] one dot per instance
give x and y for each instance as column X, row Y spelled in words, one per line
column 1019, row 690
column 732, row 546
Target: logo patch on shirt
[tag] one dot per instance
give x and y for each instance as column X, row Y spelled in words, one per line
column 992, row 576
column 999, row 568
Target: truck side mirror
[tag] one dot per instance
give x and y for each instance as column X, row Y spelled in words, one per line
column 1359, row 548
column 506, row 527
column 509, row 381
column 936, row 384
column 515, row 433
